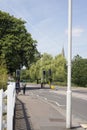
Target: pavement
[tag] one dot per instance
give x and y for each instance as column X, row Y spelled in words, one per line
column 32, row 113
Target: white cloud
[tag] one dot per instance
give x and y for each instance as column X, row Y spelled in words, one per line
column 76, row 32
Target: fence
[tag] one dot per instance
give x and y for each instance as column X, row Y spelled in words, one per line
column 7, row 106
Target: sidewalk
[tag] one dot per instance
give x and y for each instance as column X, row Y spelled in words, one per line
column 34, row 114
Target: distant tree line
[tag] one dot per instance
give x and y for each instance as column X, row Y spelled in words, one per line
column 58, row 66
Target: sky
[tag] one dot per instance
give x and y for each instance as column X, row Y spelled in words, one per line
column 47, row 21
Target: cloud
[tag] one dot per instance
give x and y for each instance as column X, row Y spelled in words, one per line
column 76, row 32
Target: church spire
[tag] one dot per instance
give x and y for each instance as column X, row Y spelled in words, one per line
column 63, row 52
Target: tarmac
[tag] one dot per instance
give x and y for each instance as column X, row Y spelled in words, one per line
column 31, row 113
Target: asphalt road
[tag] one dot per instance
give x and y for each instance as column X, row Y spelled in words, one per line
column 58, row 99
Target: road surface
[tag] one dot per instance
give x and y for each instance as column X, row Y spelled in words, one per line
column 57, row 98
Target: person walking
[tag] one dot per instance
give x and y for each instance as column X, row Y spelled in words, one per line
column 17, row 85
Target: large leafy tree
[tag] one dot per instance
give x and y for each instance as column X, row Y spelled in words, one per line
column 59, row 68
column 16, row 45
column 43, row 64
column 46, row 65
column 79, row 71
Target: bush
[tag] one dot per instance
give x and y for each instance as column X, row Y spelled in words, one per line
column 3, row 77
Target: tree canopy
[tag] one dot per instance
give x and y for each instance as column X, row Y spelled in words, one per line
column 17, row 46
column 79, row 71
column 46, row 63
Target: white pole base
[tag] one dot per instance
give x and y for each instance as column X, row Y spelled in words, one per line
column 69, row 110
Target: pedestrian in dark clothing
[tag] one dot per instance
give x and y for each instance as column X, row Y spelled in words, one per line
column 17, row 85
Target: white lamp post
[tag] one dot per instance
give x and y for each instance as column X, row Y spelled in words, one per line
column 69, row 92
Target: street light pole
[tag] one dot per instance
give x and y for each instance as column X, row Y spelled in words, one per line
column 69, row 92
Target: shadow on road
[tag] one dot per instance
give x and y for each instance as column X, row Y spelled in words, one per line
column 37, row 86
column 33, row 88
column 21, row 119
column 76, row 127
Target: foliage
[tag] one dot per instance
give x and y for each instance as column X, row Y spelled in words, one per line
column 79, row 71
column 3, row 76
column 34, row 71
column 16, row 45
column 46, row 61
column 57, row 66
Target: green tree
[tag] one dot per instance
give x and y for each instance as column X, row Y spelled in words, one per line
column 59, row 68
column 32, row 72
column 46, row 64
column 16, row 45
column 79, row 71
column 43, row 64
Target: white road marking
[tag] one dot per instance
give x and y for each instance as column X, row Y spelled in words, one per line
column 59, row 104
column 45, row 98
column 38, row 96
column 51, row 101
column 58, row 108
column 76, row 95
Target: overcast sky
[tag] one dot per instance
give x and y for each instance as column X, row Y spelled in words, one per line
column 47, row 21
